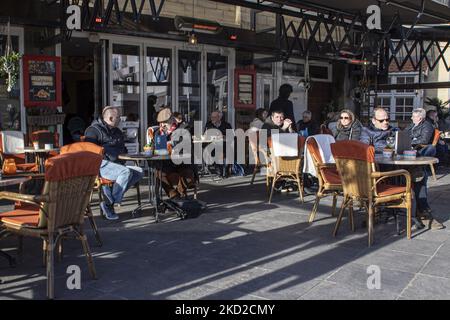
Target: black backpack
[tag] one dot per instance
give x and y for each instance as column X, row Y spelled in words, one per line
column 187, row 208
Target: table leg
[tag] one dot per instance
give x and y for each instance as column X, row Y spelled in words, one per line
column 152, row 190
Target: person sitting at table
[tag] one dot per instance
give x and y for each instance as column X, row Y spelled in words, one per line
column 348, row 127
column 378, row 130
column 181, row 175
column 105, row 132
column 216, row 122
column 307, row 127
column 277, row 122
column 422, row 133
column 260, row 116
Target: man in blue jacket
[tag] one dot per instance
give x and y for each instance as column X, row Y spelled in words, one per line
column 104, row 132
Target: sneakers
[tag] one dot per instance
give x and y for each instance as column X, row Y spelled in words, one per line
column 108, row 211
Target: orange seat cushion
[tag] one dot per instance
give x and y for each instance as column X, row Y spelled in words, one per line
column 385, row 190
column 331, row 175
column 21, row 217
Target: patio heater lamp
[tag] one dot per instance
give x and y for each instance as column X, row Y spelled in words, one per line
column 192, row 39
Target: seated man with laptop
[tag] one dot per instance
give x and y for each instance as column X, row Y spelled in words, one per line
column 421, row 132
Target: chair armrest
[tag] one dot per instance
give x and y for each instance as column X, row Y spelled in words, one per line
column 27, row 198
column 380, row 176
column 326, row 165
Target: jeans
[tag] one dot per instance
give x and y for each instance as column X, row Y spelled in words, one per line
column 124, row 177
column 420, row 187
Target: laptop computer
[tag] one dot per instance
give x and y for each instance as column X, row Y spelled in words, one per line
column 402, row 141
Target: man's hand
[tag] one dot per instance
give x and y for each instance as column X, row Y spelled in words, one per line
column 286, row 124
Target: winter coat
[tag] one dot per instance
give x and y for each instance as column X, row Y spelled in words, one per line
column 422, row 133
column 352, row 132
column 376, row 137
column 111, row 139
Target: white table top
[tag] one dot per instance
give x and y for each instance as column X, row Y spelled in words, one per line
column 207, row 140
column 4, row 182
column 406, row 161
column 32, row 150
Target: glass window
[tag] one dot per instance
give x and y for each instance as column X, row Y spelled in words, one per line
column 9, row 101
column 403, row 108
column 405, row 80
column 159, row 80
column 126, row 83
column 217, row 77
column 318, row 72
column 264, row 68
column 293, row 69
column 189, row 75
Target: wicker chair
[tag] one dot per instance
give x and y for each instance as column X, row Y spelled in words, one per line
column 361, row 181
column 257, row 151
column 69, row 179
column 89, row 147
column 436, row 137
column 100, row 182
column 329, row 180
column 19, row 158
column 285, row 167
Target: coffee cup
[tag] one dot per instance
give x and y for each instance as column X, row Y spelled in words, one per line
column 48, row 146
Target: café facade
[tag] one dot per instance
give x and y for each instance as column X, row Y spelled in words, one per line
column 193, row 56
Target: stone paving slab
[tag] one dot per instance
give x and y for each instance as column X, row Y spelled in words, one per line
column 243, row 248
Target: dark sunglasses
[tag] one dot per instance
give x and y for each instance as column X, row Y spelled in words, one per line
column 382, row 120
column 346, row 118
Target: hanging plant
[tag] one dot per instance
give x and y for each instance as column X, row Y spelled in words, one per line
column 10, row 63
column 9, row 68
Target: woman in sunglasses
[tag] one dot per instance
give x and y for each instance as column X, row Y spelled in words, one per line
column 348, row 127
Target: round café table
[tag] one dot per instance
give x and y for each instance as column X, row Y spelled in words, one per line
column 400, row 160
column 5, row 182
column 40, row 155
column 407, row 163
column 155, row 165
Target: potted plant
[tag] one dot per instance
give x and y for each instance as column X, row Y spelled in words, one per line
column 10, row 64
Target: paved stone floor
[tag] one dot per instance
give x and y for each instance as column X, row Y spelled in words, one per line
column 244, row 248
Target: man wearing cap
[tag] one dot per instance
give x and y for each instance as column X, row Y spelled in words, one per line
column 104, row 132
column 181, row 176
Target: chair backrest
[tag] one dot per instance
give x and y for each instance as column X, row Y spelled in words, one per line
column 44, row 137
column 82, row 146
column 12, row 142
column 355, row 161
column 313, row 149
column 436, row 137
column 69, row 180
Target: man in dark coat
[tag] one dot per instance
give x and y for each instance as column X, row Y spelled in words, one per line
column 378, row 131
column 283, row 103
column 105, row 133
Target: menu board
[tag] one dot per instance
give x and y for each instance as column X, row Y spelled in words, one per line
column 42, row 81
column 245, row 89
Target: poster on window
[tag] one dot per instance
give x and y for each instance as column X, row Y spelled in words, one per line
column 42, row 81
column 245, row 89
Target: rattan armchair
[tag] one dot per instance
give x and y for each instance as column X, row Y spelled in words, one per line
column 60, row 209
column 328, row 177
column 88, row 147
column 362, row 182
column 286, row 167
